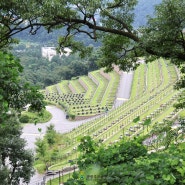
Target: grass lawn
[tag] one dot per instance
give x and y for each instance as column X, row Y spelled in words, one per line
column 56, row 181
column 32, row 117
column 182, row 114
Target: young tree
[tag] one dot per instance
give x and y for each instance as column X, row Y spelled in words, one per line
column 42, row 150
column 51, row 135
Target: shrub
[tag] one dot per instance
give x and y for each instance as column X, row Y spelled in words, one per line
column 24, row 118
column 72, row 116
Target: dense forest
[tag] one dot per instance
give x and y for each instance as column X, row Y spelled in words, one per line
column 41, row 72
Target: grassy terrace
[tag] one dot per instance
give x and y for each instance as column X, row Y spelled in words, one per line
column 155, row 75
column 51, row 89
column 109, row 95
column 102, row 85
column 139, row 82
column 131, row 129
column 64, row 88
column 90, row 85
column 154, row 101
column 86, row 96
column 78, row 88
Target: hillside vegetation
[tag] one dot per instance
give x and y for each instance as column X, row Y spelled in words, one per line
column 151, row 102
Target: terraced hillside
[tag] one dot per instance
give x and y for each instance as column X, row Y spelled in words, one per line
column 86, row 96
column 152, row 98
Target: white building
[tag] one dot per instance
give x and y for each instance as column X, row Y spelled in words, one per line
column 49, row 52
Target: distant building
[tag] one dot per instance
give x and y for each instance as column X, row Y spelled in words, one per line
column 49, row 52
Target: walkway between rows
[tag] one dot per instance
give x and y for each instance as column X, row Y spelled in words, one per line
column 124, row 89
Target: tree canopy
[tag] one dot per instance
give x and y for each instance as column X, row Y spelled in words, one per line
column 16, row 163
column 111, row 22
column 164, row 35
column 128, row 162
column 15, row 94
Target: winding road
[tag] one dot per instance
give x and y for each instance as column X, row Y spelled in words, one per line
column 31, row 131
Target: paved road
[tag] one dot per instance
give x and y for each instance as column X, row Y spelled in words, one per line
column 31, row 132
column 124, row 88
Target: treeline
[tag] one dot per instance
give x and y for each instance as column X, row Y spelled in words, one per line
column 42, row 72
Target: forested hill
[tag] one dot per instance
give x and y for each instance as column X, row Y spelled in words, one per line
column 144, row 8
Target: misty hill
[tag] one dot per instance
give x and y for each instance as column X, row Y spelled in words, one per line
column 143, row 8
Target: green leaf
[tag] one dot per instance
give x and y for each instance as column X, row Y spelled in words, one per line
column 181, row 171
column 147, row 122
column 169, row 177
column 166, row 177
column 150, row 177
column 39, row 129
column 5, row 104
column 182, row 147
column 136, row 119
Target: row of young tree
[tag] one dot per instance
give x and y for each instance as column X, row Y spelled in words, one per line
column 122, row 44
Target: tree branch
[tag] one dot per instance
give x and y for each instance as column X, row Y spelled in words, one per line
column 165, row 55
column 99, row 28
column 118, row 4
column 117, row 20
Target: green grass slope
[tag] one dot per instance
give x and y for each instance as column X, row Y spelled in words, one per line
column 86, row 96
